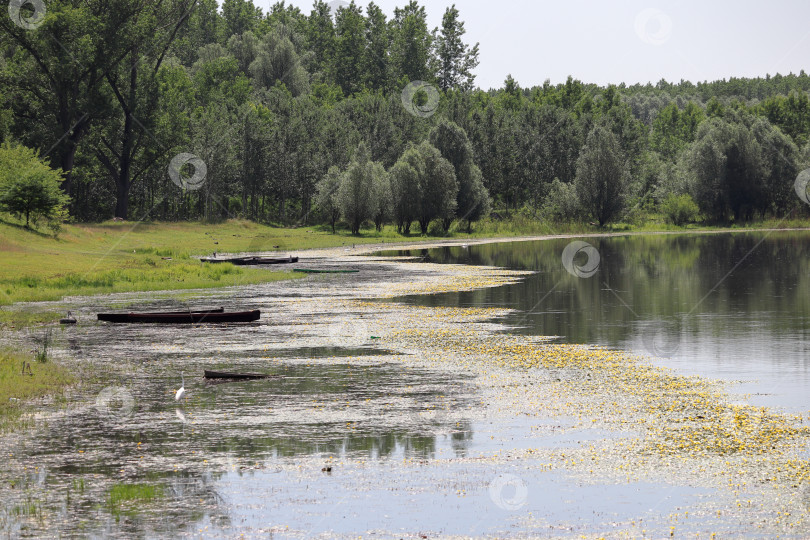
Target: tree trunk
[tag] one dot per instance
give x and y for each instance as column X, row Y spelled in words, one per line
column 122, row 200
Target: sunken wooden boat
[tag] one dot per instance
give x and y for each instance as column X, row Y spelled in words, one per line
column 324, row 271
column 183, row 317
column 235, row 376
column 251, row 261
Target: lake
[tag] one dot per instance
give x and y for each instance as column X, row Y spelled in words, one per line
column 730, row 306
column 361, row 432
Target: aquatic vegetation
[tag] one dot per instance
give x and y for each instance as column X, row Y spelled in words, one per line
column 125, row 498
column 18, row 385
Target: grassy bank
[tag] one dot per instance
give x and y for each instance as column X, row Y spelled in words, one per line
column 123, row 257
column 16, row 387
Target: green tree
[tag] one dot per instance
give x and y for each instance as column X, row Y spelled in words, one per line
column 240, row 16
column 412, row 45
column 790, row 113
column 320, row 34
column 602, row 176
column 437, row 186
column 29, row 188
column 356, row 192
column 674, row 130
column 724, row 169
column 350, row 49
column 381, row 192
column 405, row 190
column 377, row 67
column 57, row 70
column 129, row 145
column 472, row 200
column 456, row 59
column 327, row 195
column 278, row 60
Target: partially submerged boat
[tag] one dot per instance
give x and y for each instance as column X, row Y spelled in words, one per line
column 226, row 375
column 182, row 317
column 251, row 261
column 324, row 271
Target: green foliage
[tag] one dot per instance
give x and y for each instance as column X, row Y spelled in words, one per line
column 405, row 190
column 472, row 201
column 740, row 167
column 456, row 59
column 16, row 387
column 434, row 184
column 602, row 176
column 270, row 103
column 680, row 209
column 674, row 129
column 790, row 113
column 240, row 16
column 411, row 45
column 361, row 194
column 29, row 188
column 562, row 203
column 327, row 196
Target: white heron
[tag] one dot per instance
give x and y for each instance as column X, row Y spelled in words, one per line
column 182, row 392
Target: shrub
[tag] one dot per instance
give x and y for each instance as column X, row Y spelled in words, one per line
column 562, row 203
column 680, row 209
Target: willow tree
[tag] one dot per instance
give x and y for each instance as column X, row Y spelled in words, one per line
column 472, row 199
column 602, row 176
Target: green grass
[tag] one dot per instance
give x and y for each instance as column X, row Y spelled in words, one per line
column 16, row 388
column 20, row 319
column 124, row 498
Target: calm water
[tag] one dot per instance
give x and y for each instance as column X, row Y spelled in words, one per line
column 731, row 306
column 248, row 458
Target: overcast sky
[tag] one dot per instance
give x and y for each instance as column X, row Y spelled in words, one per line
column 626, row 41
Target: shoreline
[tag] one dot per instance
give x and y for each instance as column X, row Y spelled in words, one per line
column 365, row 249
column 633, row 423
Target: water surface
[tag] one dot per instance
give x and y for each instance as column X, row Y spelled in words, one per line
column 730, row 306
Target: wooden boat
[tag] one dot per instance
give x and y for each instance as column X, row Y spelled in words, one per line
column 235, row 376
column 251, row 261
column 317, row 271
column 186, row 317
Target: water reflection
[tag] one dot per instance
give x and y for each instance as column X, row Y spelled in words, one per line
column 735, row 306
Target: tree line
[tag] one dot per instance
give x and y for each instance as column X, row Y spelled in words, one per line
column 348, row 115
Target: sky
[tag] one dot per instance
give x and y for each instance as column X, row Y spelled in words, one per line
column 631, row 41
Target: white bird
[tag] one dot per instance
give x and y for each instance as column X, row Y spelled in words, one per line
column 182, row 392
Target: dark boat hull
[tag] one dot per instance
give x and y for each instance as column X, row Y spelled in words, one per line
column 235, row 376
column 315, row 271
column 252, row 261
column 181, row 318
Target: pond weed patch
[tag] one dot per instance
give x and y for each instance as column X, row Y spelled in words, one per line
column 17, row 387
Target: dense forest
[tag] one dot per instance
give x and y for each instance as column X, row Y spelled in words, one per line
column 187, row 109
